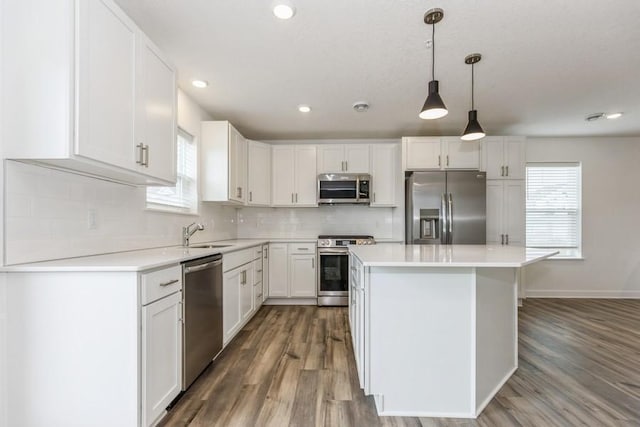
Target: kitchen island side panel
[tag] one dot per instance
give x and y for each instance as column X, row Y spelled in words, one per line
column 421, row 340
column 72, row 349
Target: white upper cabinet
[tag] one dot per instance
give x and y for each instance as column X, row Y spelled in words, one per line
column 294, row 175
column 347, row 158
column 109, row 107
column 422, row 153
column 384, row 174
column 504, row 157
column 224, row 163
column 259, row 173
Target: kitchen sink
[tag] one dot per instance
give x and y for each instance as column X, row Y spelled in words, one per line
column 208, row 246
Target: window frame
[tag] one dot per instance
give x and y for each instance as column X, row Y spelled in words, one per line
column 565, row 252
column 155, row 206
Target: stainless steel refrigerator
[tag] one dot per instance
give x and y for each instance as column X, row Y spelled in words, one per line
column 445, row 207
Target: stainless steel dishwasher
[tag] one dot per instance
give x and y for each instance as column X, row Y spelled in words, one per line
column 202, row 326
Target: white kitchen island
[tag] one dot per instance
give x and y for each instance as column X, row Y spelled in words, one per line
column 435, row 328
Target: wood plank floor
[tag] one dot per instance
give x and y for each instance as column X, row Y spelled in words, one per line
column 579, row 364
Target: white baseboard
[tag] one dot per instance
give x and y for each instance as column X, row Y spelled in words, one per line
column 549, row 293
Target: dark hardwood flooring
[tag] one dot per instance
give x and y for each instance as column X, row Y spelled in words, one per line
column 579, row 364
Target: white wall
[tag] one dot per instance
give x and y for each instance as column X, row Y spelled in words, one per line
column 46, row 211
column 610, row 220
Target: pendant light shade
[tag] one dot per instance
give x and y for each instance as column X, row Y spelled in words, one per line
column 473, row 131
column 434, row 107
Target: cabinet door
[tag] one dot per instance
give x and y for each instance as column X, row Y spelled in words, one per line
column 265, row 272
column 331, row 158
column 423, row 153
column 302, row 274
column 356, row 157
column 246, row 291
column 459, row 154
column 240, row 166
column 514, row 157
column 278, row 273
column 155, row 124
column 384, row 162
column 282, row 172
column 493, row 157
column 106, row 84
column 161, row 355
column 259, row 173
column 514, row 212
column 306, row 179
column 495, row 209
column 231, row 302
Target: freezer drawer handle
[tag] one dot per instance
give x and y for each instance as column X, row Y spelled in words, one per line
column 170, row 282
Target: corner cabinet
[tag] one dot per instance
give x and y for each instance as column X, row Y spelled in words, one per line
column 109, row 108
column 440, row 153
column 384, row 174
column 224, row 163
column 294, row 178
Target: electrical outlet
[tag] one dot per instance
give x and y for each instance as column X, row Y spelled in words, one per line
column 92, row 221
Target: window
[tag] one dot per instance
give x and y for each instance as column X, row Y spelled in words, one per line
column 553, row 207
column 184, row 196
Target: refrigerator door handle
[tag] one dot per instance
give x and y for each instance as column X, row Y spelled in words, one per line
column 443, row 216
column 450, row 212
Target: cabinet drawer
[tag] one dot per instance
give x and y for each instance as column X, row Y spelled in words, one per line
column 236, row 259
column 302, row 248
column 160, row 283
column 257, row 268
column 257, row 252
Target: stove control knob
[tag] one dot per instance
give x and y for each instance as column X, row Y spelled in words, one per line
column 325, row 242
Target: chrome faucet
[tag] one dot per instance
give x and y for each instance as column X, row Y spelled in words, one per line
column 187, row 232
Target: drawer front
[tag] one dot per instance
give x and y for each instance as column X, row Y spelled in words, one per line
column 257, row 268
column 302, row 248
column 160, row 283
column 257, row 252
column 236, row 259
column 257, row 294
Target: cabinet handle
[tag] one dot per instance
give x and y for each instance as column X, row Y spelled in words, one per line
column 180, row 312
column 266, row 253
column 506, row 239
column 145, row 151
column 139, row 155
column 296, row 197
column 507, row 170
column 251, row 196
column 501, row 170
column 502, row 239
column 346, row 165
column 447, row 160
column 374, row 197
column 303, row 249
column 259, row 271
column 291, row 197
column 342, row 166
column 439, row 163
column 313, row 263
column 170, row 282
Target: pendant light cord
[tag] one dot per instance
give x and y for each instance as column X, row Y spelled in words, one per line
column 472, row 87
column 433, row 51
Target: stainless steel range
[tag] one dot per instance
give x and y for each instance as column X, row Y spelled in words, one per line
column 333, row 274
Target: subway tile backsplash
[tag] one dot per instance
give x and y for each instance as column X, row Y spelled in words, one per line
column 47, row 217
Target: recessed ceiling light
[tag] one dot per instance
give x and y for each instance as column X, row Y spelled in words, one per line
column 200, row 83
column 613, row 115
column 284, row 11
column 304, row 108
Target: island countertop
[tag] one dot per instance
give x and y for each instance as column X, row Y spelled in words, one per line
column 400, row 255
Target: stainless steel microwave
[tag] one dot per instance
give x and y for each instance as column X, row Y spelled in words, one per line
column 348, row 188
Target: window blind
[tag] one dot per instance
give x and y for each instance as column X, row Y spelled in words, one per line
column 553, row 205
column 184, row 196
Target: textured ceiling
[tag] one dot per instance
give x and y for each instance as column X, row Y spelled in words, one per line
column 543, row 68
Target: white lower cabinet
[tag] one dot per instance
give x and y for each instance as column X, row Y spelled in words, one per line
column 506, row 212
column 161, row 355
column 292, row 270
column 236, row 299
column 357, row 315
column 246, row 292
column 265, row 272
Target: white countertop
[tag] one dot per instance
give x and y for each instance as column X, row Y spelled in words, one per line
column 400, row 255
column 141, row 260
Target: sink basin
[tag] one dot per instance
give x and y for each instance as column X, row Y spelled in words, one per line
column 208, row 246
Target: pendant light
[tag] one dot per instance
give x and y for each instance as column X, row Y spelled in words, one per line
column 434, row 107
column 473, row 131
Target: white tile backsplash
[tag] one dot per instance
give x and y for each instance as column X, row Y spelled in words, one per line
column 382, row 223
column 47, row 217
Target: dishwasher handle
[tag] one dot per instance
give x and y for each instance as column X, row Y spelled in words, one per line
column 199, row 267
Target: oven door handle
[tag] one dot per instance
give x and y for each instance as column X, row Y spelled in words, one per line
column 333, row 251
